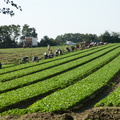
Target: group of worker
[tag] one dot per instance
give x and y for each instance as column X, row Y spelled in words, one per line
column 58, row 52
column 51, row 54
column 46, row 55
column 26, row 59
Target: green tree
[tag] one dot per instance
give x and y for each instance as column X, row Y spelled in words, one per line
column 76, row 38
column 9, row 36
column 28, row 32
column 105, row 37
column 46, row 40
column 110, row 37
column 115, row 37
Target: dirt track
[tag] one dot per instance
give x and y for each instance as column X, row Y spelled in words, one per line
column 93, row 114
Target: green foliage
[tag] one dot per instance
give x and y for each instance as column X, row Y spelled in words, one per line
column 76, row 87
column 53, row 83
column 110, row 37
column 27, row 31
column 9, row 36
column 45, row 40
column 78, row 92
column 111, row 100
column 76, row 38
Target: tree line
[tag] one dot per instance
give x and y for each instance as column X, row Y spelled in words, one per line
column 12, row 36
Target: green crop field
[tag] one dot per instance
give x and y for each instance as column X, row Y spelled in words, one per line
column 60, row 83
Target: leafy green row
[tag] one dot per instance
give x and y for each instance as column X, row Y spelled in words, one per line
column 34, row 69
column 23, row 66
column 7, row 66
column 112, row 100
column 19, row 82
column 74, row 94
column 59, row 81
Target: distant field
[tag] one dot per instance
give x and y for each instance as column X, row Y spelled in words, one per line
column 11, row 55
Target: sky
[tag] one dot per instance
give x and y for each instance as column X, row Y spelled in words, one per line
column 58, row 17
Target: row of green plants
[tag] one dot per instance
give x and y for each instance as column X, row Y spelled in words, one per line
column 51, row 84
column 27, row 71
column 23, row 66
column 19, row 82
column 79, row 92
column 111, row 100
column 4, row 66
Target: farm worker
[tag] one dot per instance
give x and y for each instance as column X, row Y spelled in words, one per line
column 56, row 53
column 72, row 48
column 0, row 65
column 35, row 58
column 45, row 55
column 67, row 49
column 48, row 45
column 51, row 54
column 59, row 51
column 77, row 46
column 25, row 59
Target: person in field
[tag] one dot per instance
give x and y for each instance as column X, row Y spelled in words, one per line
column 0, row 65
column 56, row 53
column 67, row 49
column 59, row 51
column 25, row 59
column 48, row 45
column 35, row 59
column 45, row 56
column 72, row 48
column 51, row 54
column 77, row 46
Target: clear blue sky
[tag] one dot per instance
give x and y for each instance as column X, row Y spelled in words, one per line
column 57, row 17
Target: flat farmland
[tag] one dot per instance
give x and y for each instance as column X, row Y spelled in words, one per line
column 83, row 84
column 10, row 55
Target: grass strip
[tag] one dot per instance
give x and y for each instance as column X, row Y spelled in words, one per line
column 111, row 100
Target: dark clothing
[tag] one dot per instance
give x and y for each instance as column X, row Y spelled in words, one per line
column 77, row 46
column 72, row 48
column 45, row 56
column 25, row 59
column 35, row 58
column 51, row 55
column 59, row 51
column 56, row 53
column 67, row 49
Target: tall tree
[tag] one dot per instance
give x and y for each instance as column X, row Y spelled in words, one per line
column 105, row 37
column 9, row 36
column 27, row 31
column 115, row 37
column 46, row 40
